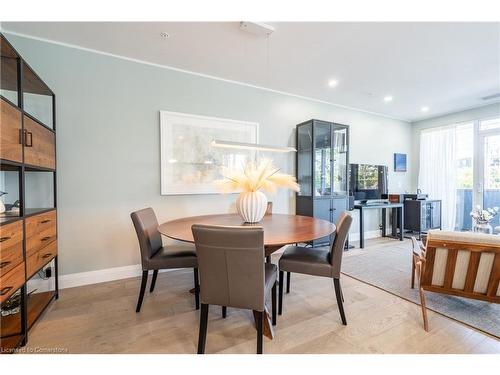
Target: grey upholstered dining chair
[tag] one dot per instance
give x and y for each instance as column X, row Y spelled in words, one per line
column 233, row 273
column 318, row 262
column 155, row 256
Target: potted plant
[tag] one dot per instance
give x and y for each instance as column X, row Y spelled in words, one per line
column 482, row 219
column 253, row 177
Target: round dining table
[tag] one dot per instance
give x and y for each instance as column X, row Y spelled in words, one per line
column 279, row 230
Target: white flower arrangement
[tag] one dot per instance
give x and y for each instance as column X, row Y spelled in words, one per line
column 484, row 216
column 255, row 176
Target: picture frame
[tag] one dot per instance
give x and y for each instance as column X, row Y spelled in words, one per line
column 189, row 163
column 400, row 162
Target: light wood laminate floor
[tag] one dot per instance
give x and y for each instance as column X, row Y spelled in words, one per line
column 101, row 318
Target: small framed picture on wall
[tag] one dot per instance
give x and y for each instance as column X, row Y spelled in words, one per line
column 399, row 162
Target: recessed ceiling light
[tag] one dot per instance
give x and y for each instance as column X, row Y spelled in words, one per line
column 165, row 35
column 424, row 109
column 388, row 98
column 333, row 83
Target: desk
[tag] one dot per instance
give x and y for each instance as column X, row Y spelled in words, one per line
column 397, row 209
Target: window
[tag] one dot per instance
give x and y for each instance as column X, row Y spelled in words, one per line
column 464, row 146
column 489, row 124
column 487, row 192
column 467, row 155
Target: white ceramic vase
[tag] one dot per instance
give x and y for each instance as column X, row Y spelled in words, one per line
column 251, row 206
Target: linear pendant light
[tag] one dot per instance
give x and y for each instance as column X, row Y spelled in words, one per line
column 251, row 146
column 263, row 30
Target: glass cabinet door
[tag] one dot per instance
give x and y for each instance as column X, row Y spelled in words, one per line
column 37, row 98
column 322, row 159
column 8, row 71
column 304, row 159
column 340, row 161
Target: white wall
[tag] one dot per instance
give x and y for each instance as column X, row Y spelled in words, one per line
column 108, row 153
column 487, row 111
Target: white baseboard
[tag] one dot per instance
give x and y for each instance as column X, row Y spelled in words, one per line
column 119, row 273
column 100, row 276
column 368, row 234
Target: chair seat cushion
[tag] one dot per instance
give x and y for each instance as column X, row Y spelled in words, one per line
column 174, row 256
column 271, row 274
column 307, row 260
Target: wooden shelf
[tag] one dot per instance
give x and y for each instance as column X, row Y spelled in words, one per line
column 34, row 168
column 5, row 219
column 8, row 63
column 33, row 84
column 35, row 211
column 10, row 326
column 36, row 143
column 8, row 344
column 27, row 114
column 9, row 218
column 8, row 165
column 37, row 302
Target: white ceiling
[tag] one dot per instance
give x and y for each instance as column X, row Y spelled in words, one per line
column 445, row 66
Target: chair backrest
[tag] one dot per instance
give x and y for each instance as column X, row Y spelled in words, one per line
column 231, row 265
column 418, row 247
column 462, row 263
column 146, row 227
column 269, row 208
column 337, row 249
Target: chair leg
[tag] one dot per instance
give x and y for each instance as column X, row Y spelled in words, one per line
column 273, row 303
column 338, row 294
column 144, row 281
column 153, row 281
column 202, row 337
column 196, row 289
column 224, row 312
column 260, row 331
column 288, row 274
column 280, row 297
column 424, row 310
column 413, row 273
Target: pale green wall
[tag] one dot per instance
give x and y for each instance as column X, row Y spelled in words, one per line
column 108, row 155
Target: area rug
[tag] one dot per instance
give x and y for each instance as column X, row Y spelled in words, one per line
column 388, row 267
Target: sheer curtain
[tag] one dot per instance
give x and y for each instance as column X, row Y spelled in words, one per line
column 437, row 174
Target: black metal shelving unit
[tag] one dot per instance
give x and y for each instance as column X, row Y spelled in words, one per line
column 14, row 329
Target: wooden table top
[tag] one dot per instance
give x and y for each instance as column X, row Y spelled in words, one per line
column 279, row 229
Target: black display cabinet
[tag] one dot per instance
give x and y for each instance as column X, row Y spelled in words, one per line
column 322, row 171
column 422, row 215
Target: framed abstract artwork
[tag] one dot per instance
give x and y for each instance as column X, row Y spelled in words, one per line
column 400, row 162
column 189, row 161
